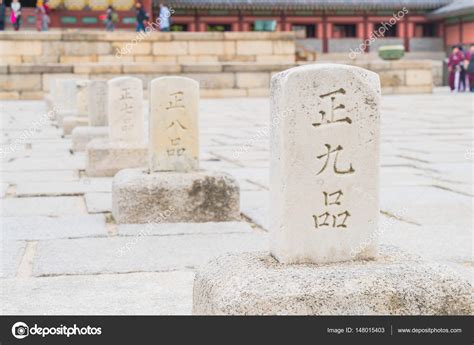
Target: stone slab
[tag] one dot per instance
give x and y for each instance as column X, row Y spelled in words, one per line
column 11, row 255
column 167, row 293
column 68, row 188
column 98, row 202
column 395, row 284
column 254, row 205
column 38, row 176
column 81, row 136
column 155, row 229
column 200, row 196
column 139, row 254
column 65, row 162
column 71, row 122
column 106, row 158
column 41, row 228
column 47, row 206
column 3, row 189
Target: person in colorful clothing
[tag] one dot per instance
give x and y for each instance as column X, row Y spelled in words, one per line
column 2, row 15
column 15, row 14
column 45, row 20
column 109, row 18
column 39, row 15
column 469, row 65
column 454, row 67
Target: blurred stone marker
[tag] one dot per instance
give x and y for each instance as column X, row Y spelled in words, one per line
column 98, row 103
column 97, row 114
column 172, row 183
column 125, row 146
column 174, row 144
column 125, row 108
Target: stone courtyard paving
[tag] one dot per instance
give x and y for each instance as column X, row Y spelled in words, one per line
column 63, row 254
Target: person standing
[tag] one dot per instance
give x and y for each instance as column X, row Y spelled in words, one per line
column 165, row 15
column 454, row 61
column 109, row 18
column 469, row 63
column 2, row 15
column 15, row 14
column 141, row 16
column 45, row 19
column 39, row 15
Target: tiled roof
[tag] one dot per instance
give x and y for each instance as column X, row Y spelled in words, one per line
column 458, row 7
column 311, row 4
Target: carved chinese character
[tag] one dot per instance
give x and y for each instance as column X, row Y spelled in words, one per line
column 342, row 224
column 328, row 197
column 339, row 148
column 318, row 223
column 328, row 116
column 176, row 99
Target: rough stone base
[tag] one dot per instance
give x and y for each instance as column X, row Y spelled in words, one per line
column 71, row 122
column 81, row 136
column 200, row 196
column 61, row 115
column 395, row 284
column 105, row 158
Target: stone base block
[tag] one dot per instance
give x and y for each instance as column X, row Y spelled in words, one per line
column 61, row 115
column 48, row 99
column 200, row 196
column 81, row 136
column 71, row 122
column 105, row 158
column 394, row 284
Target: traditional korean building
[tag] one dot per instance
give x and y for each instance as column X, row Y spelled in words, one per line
column 328, row 25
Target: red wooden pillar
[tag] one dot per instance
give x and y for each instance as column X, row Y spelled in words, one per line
column 406, row 39
column 325, row 33
column 148, row 7
column 196, row 21
column 366, row 33
column 241, row 21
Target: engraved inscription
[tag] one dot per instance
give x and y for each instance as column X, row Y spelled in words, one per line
column 334, row 110
column 334, row 220
column 328, row 154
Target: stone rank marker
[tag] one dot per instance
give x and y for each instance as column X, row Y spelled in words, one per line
column 80, row 117
column 97, row 104
column 125, row 146
column 174, row 142
column 126, row 110
column 328, row 130
column 172, row 184
column 64, row 98
column 325, row 127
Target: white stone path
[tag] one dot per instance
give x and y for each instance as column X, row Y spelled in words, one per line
column 61, row 253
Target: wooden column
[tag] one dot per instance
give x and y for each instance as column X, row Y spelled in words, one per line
column 366, row 32
column 325, row 34
column 406, row 39
column 148, row 7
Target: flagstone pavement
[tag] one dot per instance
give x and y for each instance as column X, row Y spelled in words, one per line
column 62, row 253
